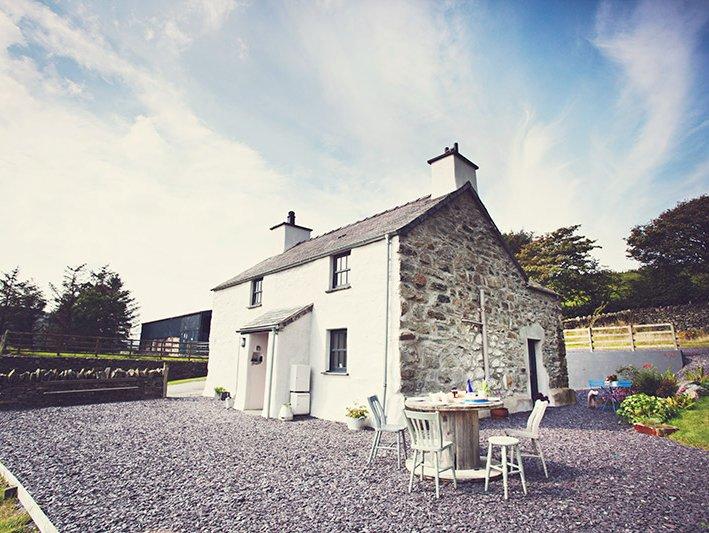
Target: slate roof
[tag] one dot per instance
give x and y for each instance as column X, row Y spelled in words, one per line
column 344, row 238
column 396, row 220
column 277, row 317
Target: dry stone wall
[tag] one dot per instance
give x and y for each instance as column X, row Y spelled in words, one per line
column 445, row 261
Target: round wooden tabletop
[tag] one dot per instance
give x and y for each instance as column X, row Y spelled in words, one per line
column 424, row 404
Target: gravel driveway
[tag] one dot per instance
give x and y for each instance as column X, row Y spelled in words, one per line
column 189, row 465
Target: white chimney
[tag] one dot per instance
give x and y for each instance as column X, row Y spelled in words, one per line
column 287, row 234
column 450, row 171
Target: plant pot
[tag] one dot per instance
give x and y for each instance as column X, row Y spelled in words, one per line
column 499, row 412
column 656, row 431
column 614, row 383
column 229, row 403
column 356, row 424
column 286, row 413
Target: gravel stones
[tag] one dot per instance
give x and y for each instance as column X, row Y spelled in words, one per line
column 189, row 465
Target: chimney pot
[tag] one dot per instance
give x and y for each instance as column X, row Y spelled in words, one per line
column 291, row 217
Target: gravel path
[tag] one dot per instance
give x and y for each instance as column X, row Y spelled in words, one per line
column 189, row 465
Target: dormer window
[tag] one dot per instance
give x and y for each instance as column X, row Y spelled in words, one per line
column 256, row 292
column 340, row 271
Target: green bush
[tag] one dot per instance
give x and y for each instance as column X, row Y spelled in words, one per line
column 681, row 401
column 649, row 380
column 698, row 376
column 641, row 408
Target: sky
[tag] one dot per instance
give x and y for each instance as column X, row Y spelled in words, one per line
column 164, row 138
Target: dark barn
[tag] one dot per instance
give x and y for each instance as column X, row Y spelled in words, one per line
column 185, row 328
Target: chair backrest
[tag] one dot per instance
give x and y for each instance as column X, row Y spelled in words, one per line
column 425, row 429
column 625, row 383
column 377, row 411
column 535, row 418
column 593, row 383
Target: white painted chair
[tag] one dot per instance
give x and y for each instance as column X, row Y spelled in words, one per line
column 531, row 432
column 380, row 427
column 427, row 437
column 511, row 462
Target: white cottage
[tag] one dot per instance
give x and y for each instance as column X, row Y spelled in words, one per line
column 415, row 299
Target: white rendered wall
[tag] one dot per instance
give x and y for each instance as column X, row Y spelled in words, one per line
column 360, row 309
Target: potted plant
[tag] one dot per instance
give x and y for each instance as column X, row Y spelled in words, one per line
column 218, row 391
column 227, row 400
column 286, row 413
column 483, row 388
column 612, row 380
column 356, row 417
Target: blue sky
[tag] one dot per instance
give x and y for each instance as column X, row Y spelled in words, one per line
column 164, row 138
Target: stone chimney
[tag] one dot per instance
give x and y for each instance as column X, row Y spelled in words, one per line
column 450, row 171
column 287, row 234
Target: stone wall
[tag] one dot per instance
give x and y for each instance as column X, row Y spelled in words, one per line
column 684, row 317
column 26, row 363
column 445, row 261
column 42, row 387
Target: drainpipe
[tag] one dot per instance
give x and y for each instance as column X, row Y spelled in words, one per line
column 272, row 363
column 387, row 238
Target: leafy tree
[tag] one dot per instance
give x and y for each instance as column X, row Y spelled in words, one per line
column 679, row 237
column 94, row 304
column 516, row 240
column 674, row 251
column 21, row 302
column 562, row 261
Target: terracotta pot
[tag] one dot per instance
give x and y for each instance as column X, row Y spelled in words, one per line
column 499, row 412
column 655, row 431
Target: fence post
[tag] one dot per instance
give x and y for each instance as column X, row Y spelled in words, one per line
column 3, row 341
column 165, row 374
column 590, row 339
column 632, row 337
column 674, row 336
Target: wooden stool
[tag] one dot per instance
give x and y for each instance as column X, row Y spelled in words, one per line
column 509, row 449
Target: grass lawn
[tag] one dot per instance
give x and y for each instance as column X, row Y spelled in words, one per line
column 693, row 425
column 186, row 380
column 13, row 518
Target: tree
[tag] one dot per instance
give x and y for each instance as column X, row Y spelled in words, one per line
column 562, row 261
column 104, row 307
column 96, row 304
column 674, row 251
column 21, row 302
column 66, row 297
column 516, row 240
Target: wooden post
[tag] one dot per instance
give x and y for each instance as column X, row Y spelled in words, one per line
column 590, row 339
column 674, row 336
column 632, row 337
column 483, row 321
column 3, row 341
column 165, row 374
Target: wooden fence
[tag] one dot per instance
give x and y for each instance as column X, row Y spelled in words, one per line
column 48, row 344
column 631, row 337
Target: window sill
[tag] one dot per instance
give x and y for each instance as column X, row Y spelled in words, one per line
column 343, row 288
column 335, row 373
column 254, row 306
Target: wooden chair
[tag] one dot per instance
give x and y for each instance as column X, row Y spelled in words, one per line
column 380, row 427
column 531, row 432
column 511, row 462
column 427, row 437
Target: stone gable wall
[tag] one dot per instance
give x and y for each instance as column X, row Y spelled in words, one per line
column 445, row 261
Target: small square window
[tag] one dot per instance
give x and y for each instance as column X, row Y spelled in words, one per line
column 338, row 350
column 340, row 270
column 256, row 291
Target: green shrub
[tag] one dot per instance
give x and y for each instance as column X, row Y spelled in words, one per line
column 649, row 380
column 642, row 407
column 698, row 376
column 681, row 401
